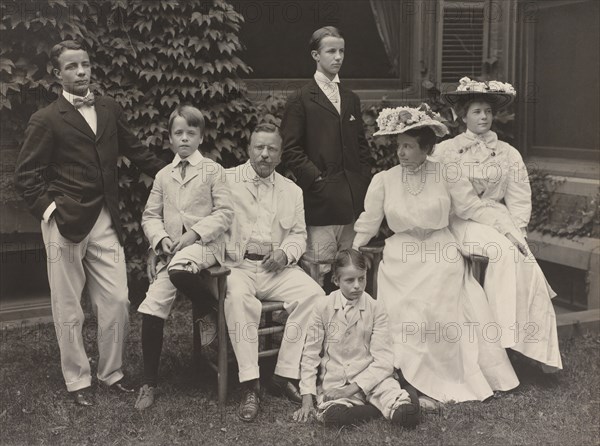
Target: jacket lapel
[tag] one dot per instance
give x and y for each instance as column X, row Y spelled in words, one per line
column 279, row 201
column 338, row 309
column 102, row 117
column 250, row 186
column 191, row 172
column 175, row 174
column 318, row 97
column 346, row 99
column 73, row 118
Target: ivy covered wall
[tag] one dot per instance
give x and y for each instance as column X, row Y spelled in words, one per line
column 148, row 56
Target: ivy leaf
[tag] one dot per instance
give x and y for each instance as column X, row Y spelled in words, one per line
column 148, row 59
column 199, row 44
column 207, row 67
column 150, row 74
column 120, row 60
column 147, row 180
column 6, row 65
column 131, row 226
column 225, row 47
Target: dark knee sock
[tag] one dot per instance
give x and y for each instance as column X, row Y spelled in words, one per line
column 340, row 415
column 152, row 339
column 412, row 393
column 194, row 289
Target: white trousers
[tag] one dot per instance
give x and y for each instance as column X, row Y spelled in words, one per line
column 162, row 293
column 96, row 265
column 247, row 286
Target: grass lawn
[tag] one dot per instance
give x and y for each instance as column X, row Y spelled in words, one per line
column 35, row 407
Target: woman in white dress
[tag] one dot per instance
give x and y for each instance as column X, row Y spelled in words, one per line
column 445, row 340
column 515, row 285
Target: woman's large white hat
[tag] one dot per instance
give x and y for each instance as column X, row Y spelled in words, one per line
column 497, row 94
column 392, row 121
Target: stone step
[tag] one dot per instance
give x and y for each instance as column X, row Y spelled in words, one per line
column 578, row 323
column 31, row 310
column 25, row 311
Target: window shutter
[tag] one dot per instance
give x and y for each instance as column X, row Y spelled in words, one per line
column 464, row 39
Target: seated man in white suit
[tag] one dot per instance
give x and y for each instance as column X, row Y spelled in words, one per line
column 266, row 240
column 262, row 247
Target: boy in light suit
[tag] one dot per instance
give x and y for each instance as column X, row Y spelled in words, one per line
column 188, row 210
column 348, row 338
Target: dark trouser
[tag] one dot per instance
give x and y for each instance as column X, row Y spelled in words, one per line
column 341, row 415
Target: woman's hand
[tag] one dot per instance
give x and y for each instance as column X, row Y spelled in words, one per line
column 307, row 411
column 520, row 246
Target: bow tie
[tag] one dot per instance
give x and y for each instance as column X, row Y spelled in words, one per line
column 266, row 181
column 480, row 145
column 81, row 102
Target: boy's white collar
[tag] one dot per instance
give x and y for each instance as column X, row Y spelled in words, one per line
column 71, row 97
column 320, row 77
column 193, row 159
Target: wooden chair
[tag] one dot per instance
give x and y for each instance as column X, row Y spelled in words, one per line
column 477, row 263
column 216, row 280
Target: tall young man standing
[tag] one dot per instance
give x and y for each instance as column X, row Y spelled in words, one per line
column 324, row 146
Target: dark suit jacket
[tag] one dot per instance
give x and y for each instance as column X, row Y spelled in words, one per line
column 319, row 141
column 61, row 160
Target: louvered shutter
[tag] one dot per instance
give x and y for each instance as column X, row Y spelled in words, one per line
column 463, row 43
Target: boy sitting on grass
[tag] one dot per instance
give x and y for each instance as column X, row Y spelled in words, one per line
column 348, row 338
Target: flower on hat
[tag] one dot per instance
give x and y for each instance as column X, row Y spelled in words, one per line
column 400, row 119
column 468, row 84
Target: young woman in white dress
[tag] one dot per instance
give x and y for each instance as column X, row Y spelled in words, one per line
column 515, row 285
column 445, row 340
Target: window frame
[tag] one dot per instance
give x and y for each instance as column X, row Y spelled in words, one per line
column 442, row 4
column 526, row 54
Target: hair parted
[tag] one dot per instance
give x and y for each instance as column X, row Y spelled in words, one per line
column 60, row 48
column 191, row 114
column 327, row 31
column 462, row 106
column 425, row 137
column 267, row 127
column 347, row 257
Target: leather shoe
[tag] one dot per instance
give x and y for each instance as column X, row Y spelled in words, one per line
column 407, row 415
column 249, row 405
column 146, row 397
column 82, row 397
column 121, row 386
column 280, row 386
